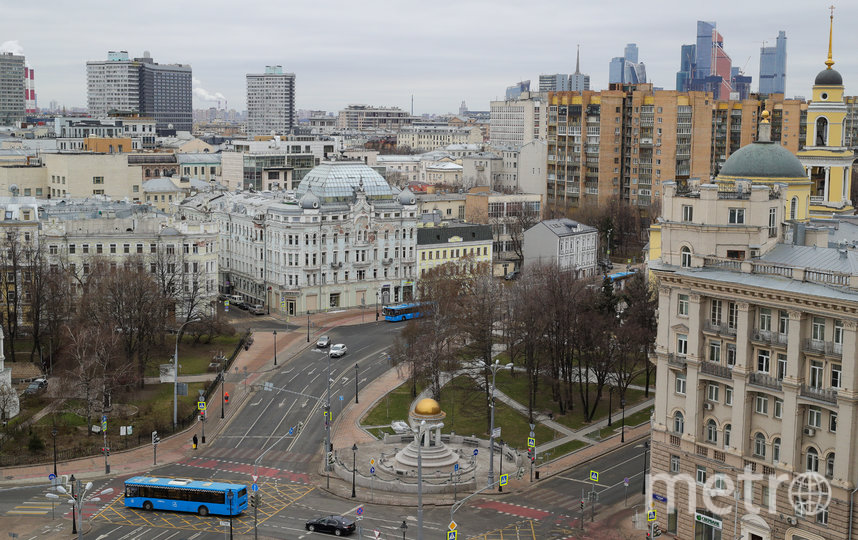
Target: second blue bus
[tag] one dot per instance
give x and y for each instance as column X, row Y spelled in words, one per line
column 182, row 495
column 402, row 312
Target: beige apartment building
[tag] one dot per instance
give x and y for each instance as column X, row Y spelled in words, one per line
column 756, row 359
column 428, row 138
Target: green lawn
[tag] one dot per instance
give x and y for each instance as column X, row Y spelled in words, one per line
column 567, row 448
column 632, row 420
column 394, row 406
column 195, row 359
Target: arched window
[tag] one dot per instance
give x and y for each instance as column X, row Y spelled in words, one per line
column 685, row 257
column 829, row 465
column 812, row 462
column 148, row 173
column 821, row 131
column 711, row 431
column 793, row 208
column 760, row 445
column 678, row 423
column 776, row 449
column 728, row 430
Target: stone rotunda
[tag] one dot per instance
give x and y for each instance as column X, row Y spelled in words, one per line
column 426, row 420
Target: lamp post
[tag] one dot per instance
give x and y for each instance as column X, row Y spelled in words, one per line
column 176, row 373
column 308, row 326
column 77, row 497
column 356, row 384
column 275, row 347
column 328, row 422
column 610, row 403
column 222, row 383
column 646, row 460
column 494, row 367
column 74, row 514
column 404, row 528
column 500, row 461
column 54, row 436
column 354, row 468
column 229, row 497
column 623, row 424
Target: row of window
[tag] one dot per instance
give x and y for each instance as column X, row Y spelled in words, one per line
column 170, row 249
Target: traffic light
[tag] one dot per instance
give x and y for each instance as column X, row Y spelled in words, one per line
column 582, row 504
column 226, row 398
column 330, row 457
column 105, row 451
column 155, row 438
column 255, row 500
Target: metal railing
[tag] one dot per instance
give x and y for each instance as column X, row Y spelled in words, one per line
column 766, row 381
column 711, row 368
column 770, row 338
column 822, row 347
column 829, row 395
column 675, row 360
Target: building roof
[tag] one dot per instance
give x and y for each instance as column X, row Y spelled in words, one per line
column 763, row 159
column 198, row 157
column 565, row 227
column 160, row 185
column 339, row 180
column 468, row 232
column 828, row 77
column 444, row 166
column 828, row 259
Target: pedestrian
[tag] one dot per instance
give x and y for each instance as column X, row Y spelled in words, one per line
column 195, row 441
column 376, row 316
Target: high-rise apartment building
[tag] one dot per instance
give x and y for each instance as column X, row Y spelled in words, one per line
column 626, row 69
column 773, row 66
column 516, row 122
column 12, row 89
column 270, row 102
column 687, row 63
column 159, row 91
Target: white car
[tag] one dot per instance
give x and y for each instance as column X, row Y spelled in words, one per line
column 338, row 350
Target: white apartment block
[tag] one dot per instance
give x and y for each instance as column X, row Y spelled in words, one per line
column 348, row 240
column 516, row 122
column 406, row 166
column 563, row 242
column 270, row 102
column 510, row 169
column 367, row 118
column 427, row 138
column 112, row 85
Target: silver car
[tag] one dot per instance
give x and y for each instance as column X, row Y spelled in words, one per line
column 338, row 350
column 324, row 342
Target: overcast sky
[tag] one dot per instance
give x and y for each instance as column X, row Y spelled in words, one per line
column 382, row 52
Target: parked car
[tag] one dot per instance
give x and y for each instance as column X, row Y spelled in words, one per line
column 337, row 525
column 512, row 275
column 257, row 309
column 338, row 350
column 324, row 342
column 36, row 386
column 242, row 305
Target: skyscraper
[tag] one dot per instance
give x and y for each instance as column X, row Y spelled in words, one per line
column 773, row 66
column 706, row 66
column 626, row 69
column 555, row 82
column 11, row 89
column 515, row 91
column 687, row 63
column 578, row 82
column 270, row 101
column 159, row 91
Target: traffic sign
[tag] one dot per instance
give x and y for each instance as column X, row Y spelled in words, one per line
column 254, row 487
column 532, row 427
column 451, row 535
column 504, row 478
column 531, row 442
column 594, row 476
column 496, row 433
column 201, row 405
column 359, row 510
column 626, row 481
column 476, row 451
column 341, row 398
column 531, row 434
column 452, row 526
column 650, row 515
column 456, row 467
column 255, row 477
column 51, row 476
column 376, row 533
column 224, row 523
column 372, row 461
column 291, row 430
column 372, row 470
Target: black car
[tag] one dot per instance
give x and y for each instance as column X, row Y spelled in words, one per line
column 337, row 525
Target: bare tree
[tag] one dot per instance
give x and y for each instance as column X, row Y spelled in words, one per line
column 12, row 246
column 526, row 326
column 638, row 326
column 7, row 399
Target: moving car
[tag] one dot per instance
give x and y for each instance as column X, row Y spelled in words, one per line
column 36, row 386
column 324, row 341
column 338, row 350
column 337, row 525
column 257, row 309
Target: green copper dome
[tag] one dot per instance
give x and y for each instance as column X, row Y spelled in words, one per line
column 763, row 160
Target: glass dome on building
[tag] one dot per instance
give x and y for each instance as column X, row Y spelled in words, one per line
column 337, row 181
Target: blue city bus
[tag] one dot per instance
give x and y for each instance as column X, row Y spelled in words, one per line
column 182, row 495
column 403, row 312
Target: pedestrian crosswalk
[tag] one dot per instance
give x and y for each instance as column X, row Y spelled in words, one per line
column 33, row 508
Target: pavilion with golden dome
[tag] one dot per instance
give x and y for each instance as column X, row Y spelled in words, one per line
column 426, row 421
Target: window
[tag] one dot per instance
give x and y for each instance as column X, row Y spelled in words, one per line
column 793, row 208
column 711, row 432
column 737, row 216
column 776, row 449
column 97, row 179
column 762, row 404
column 681, row 344
column 674, row 464
column 678, row 423
column 685, row 257
column 687, row 213
column 728, row 431
column 728, row 395
column 779, row 408
column 782, row 366
column 783, row 322
column 763, row 359
column 814, row 417
column 701, row 474
column 760, row 445
column 829, row 465
column 720, row 482
column 812, row 460
column 765, row 319
column 838, row 332
column 680, row 383
column 732, row 314
column 822, row 515
column 712, row 392
column 773, row 220
column 832, row 422
column 731, row 354
column 818, row 329
column 715, row 312
column 715, row 351
column 683, row 305
column 816, row 374
column 836, row 375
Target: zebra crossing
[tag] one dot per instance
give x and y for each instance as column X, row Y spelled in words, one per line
column 39, row 507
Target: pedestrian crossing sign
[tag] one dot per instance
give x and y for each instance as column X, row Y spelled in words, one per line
column 531, row 442
column 594, row 476
column 504, row 478
column 201, row 405
column 451, row 535
column 650, row 515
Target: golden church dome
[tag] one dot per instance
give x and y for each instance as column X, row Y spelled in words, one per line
column 427, row 406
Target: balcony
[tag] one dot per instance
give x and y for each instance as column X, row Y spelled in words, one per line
column 716, row 370
column 676, row 361
column 828, row 395
column 766, row 381
column 719, row 328
column 768, row 337
column 828, row 348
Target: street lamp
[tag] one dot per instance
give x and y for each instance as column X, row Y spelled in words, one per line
column 356, row 384
column 610, row 403
column 54, row 435
column 354, row 468
column 308, row 326
column 74, row 514
column 275, row 347
column 623, row 424
column 494, row 367
column 646, row 460
column 77, row 497
column 404, row 528
column 328, row 422
column 229, row 497
column 222, row 383
column 176, row 373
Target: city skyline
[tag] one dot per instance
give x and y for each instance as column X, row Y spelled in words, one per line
column 388, row 53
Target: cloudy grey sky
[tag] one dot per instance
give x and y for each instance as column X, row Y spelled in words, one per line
column 381, row 52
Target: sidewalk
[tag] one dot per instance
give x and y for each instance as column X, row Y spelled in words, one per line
column 258, row 361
